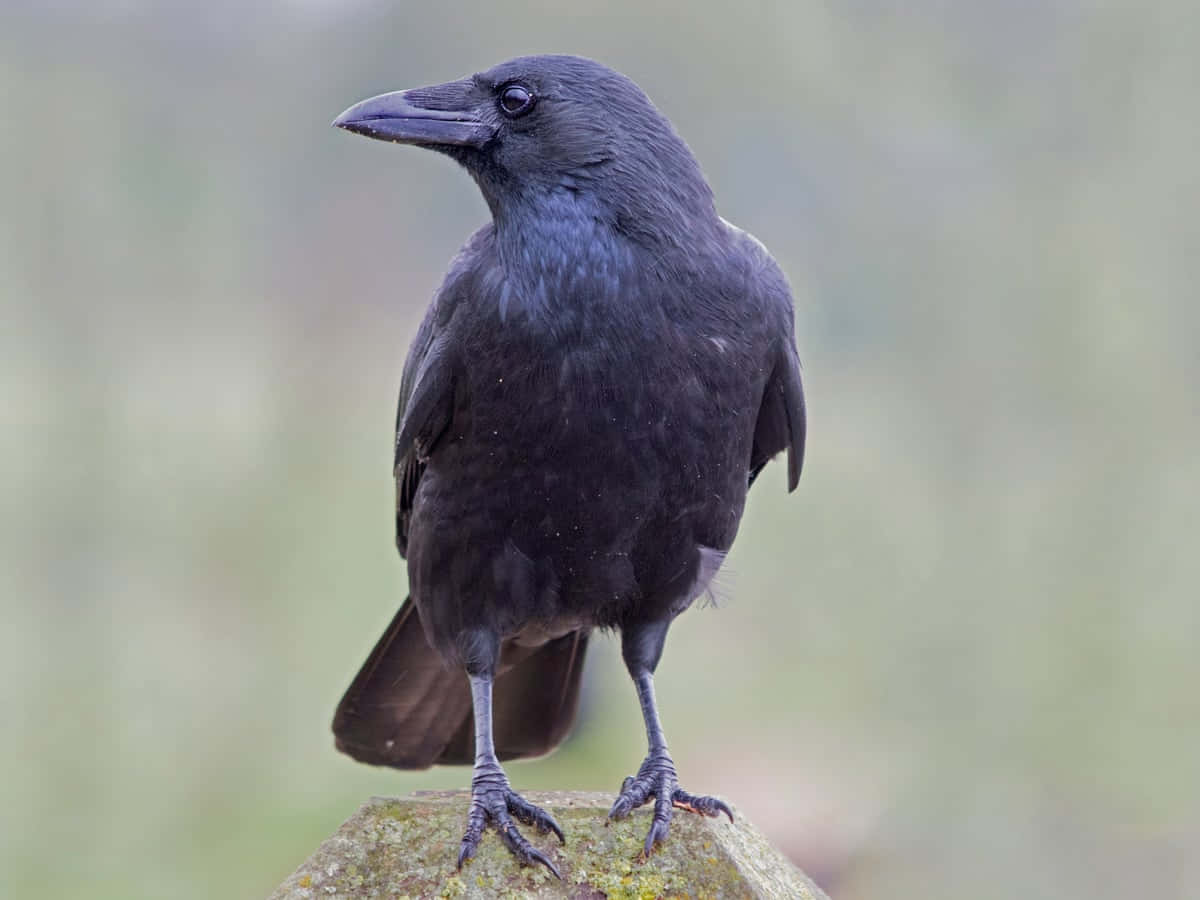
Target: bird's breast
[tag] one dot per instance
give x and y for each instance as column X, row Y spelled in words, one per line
column 588, row 456
column 630, row 414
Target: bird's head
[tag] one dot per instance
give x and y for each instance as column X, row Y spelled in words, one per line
column 549, row 125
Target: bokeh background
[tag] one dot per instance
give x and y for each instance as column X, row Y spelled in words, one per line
column 961, row 661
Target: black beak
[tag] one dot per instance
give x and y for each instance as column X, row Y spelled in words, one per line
column 426, row 116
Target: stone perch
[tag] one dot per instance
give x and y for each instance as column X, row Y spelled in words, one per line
column 407, row 847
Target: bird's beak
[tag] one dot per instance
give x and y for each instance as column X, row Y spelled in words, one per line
column 425, row 116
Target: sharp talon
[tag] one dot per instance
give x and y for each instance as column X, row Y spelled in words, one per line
column 705, row 806
column 463, row 855
column 536, row 855
column 532, row 815
column 648, row 849
column 656, row 779
column 496, row 806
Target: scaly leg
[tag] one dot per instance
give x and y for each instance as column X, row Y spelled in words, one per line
column 493, row 801
column 641, row 646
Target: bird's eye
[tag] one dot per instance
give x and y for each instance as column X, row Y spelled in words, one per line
column 516, row 100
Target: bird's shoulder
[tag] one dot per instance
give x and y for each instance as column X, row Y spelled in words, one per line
column 467, row 270
column 470, row 268
column 759, row 275
column 434, row 357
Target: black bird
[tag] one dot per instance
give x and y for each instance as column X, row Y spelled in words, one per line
column 603, row 373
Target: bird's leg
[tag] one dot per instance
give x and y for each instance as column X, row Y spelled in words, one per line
column 493, row 801
column 641, row 646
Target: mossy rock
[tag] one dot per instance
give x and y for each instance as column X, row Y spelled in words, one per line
column 407, row 847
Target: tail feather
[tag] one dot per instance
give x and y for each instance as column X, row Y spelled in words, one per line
column 407, row 709
column 405, row 703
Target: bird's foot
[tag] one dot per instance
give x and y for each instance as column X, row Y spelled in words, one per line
column 493, row 802
column 656, row 778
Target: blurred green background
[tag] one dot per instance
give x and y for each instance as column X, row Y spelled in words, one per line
column 961, row 661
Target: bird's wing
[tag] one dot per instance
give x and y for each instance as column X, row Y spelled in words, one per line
column 427, row 386
column 424, row 411
column 781, row 421
column 781, row 417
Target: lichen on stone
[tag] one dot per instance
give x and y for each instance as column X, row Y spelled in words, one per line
column 407, row 847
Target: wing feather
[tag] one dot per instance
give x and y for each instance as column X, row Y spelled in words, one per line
column 427, row 386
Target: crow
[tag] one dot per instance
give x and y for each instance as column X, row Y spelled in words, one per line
column 603, row 373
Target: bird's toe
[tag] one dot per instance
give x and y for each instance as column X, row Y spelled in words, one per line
column 656, row 780
column 529, row 814
column 476, row 822
column 634, row 792
column 519, row 845
column 660, row 825
column 707, row 806
column 497, row 807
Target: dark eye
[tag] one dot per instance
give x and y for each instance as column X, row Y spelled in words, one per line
column 516, row 100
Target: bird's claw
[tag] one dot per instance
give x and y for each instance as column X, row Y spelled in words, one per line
column 705, row 806
column 497, row 805
column 657, row 779
column 528, row 814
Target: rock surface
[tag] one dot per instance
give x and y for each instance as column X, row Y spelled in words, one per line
column 406, row 847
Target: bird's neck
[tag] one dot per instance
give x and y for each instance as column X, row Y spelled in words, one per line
column 556, row 247
column 557, row 244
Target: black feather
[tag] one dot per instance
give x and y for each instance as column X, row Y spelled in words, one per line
column 606, row 368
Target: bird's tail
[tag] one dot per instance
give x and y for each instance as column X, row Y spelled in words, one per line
column 406, row 708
